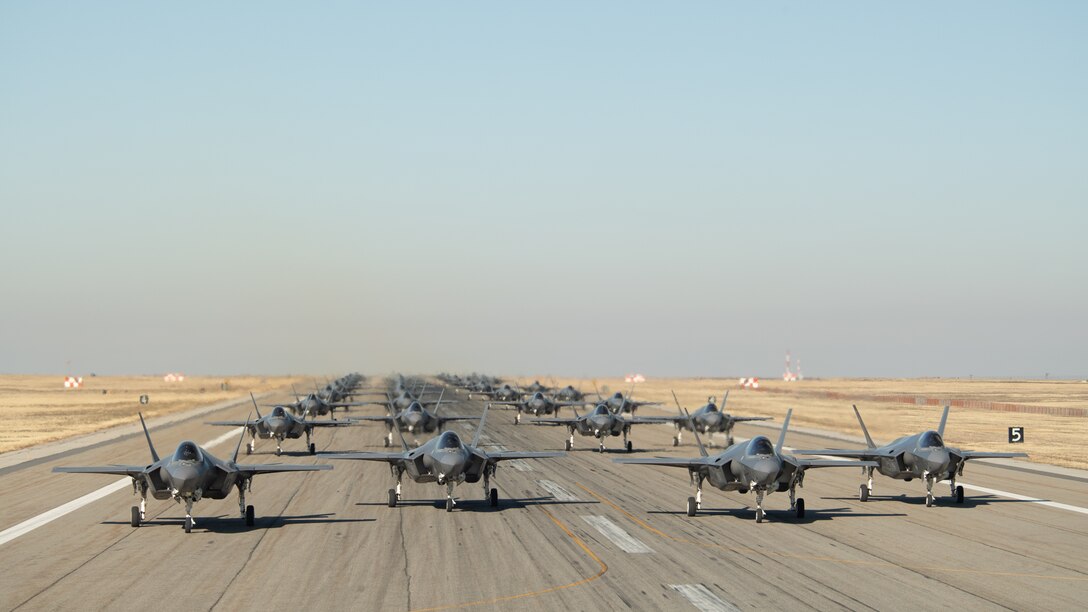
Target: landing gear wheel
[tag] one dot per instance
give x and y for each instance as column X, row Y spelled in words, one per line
column 863, row 495
column 250, row 516
column 493, row 498
column 568, row 445
column 517, row 419
column 135, row 516
column 929, row 500
column 800, row 508
column 249, row 448
column 385, row 442
column 630, row 446
column 313, row 448
column 278, row 451
column 675, row 442
column 759, row 515
column 449, row 504
column 959, row 494
column 392, row 498
column 692, row 506
column 188, row 524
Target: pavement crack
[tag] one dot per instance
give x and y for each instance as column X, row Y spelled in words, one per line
column 404, row 551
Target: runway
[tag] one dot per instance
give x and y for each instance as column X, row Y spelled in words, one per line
column 576, row 533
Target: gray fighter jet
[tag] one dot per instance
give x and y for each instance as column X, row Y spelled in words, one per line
column 620, row 403
column 923, row 455
column 536, row 405
column 278, row 425
column 414, row 419
column 313, row 404
column 188, row 476
column 707, row 419
column 569, row 394
column 504, row 393
column 446, row 460
column 754, row 465
column 536, row 387
column 599, row 423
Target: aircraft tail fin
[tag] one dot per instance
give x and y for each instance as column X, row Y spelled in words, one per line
column 234, row 459
column 782, row 436
column 403, row 442
column 725, row 398
column 944, row 418
column 864, row 430
column 438, row 406
column 698, row 438
column 154, row 455
column 480, row 427
column 255, row 404
column 295, row 392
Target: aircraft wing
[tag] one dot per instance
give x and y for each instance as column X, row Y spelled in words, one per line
column 119, row 470
column 328, row 423
column 347, row 404
column 504, row 455
column 387, row 457
column 447, row 419
column 819, row 463
column 743, row 419
column 985, row 455
column 553, row 421
column 679, row 462
column 862, row 453
column 270, row 468
column 231, row 423
column 649, row 420
column 385, row 418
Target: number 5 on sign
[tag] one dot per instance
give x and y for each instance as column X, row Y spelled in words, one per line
column 1016, row 435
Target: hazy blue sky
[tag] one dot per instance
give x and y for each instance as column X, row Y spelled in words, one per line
column 886, row 189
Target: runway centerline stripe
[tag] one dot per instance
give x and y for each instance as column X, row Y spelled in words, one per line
column 49, row 516
column 617, row 535
column 557, row 491
column 702, row 598
column 996, row 492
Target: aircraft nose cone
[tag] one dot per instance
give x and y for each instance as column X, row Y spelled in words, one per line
column 449, row 465
column 184, row 478
column 763, row 471
column 935, row 461
column 278, row 425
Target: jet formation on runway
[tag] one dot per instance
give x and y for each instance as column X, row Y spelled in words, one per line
column 191, row 473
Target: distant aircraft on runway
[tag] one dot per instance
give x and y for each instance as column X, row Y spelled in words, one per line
column 279, row 425
column 415, row 419
column 599, row 423
column 922, row 455
column 189, row 475
column 707, row 419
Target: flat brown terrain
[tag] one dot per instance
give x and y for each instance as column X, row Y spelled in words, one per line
column 38, row 409
column 1048, row 439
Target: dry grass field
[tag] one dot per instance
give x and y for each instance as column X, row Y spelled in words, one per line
column 37, row 409
column 1048, row 439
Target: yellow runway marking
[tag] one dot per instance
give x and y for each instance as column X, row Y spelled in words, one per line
column 495, row 600
column 745, row 550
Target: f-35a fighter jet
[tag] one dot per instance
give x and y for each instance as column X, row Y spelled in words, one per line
column 448, row 461
column 278, row 425
column 922, row 455
column 708, row 419
column 536, row 405
column 188, row 476
column 599, row 423
column 754, row 465
column 414, row 419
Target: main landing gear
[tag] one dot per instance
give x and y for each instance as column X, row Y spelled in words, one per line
column 866, row 489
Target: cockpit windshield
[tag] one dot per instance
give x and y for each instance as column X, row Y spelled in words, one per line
column 710, row 407
column 278, row 412
column 415, row 407
column 449, row 440
column 760, row 446
column 187, row 451
column 930, row 439
column 601, row 410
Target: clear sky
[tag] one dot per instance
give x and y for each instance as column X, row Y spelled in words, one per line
column 886, row 189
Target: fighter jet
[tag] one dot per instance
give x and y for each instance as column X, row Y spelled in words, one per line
column 923, row 455
column 708, row 419
column 536, row 405
column 569, row 394
column 314, row 404
column 620, row 403
column 754, row 465
column 504, row 393
column 446, row 460
column 414, row 419
column 599, row 423
column 190, row 475
column 536, row 387
column 279, row 425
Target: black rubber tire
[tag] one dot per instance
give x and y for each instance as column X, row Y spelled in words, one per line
column 863, row 495
column 249, row 449
column 135, row 516
column 568, row 445
column 800, row 508
column 188, row 525
column 959, row 494
column 692, row 506
column 385, row 442
column 449, row 504
column 251, row 516
column 929, row 500
column 392, row 498
column 493, row 498
column 759, row 515
column 630, row 446
column 278, row 452
column 675, row 442
column 313, row 448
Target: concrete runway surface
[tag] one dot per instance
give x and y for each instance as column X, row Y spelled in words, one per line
column 575, row 533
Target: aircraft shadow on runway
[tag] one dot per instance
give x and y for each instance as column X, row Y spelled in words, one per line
column 481, row 505
column 811, row 515
column 233, row 524
column 946, row 501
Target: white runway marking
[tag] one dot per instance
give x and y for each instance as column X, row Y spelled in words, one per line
column 995, row 492
column 702, row 598
column 617, row 535
column 49, row 516
column 557, row 491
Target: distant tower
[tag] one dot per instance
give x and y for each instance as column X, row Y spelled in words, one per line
column 788, row 375
column 800, row 376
